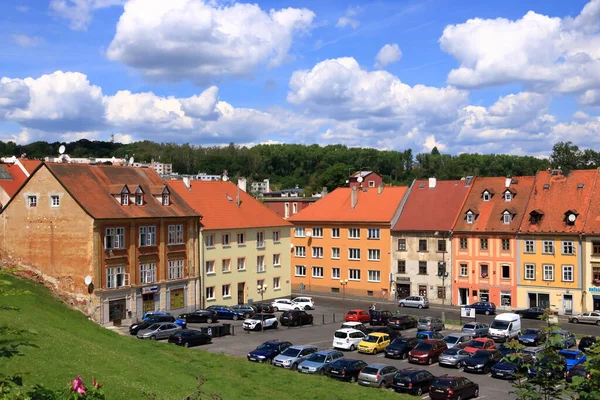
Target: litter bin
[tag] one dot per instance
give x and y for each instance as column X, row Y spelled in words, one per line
column 205, row 329
column 225, row 329
column 216, row 330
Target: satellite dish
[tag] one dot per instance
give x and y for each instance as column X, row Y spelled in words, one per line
column 572, row 217
column 130, row 160
column 88, row 280
column 61, row 149
column 359, row 179
column 225, row 178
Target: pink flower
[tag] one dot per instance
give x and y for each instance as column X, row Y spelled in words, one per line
column 77, row 386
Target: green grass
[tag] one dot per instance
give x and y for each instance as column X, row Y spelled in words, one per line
column 67, row 344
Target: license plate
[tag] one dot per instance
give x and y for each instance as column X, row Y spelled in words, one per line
column 334, row 371
column 439, row 391
column 401, row 384
column 252, row 359
column 499, row 374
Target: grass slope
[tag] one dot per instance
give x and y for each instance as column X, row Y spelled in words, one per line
column 69, row 345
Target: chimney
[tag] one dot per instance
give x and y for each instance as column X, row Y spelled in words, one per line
column 353, row 197
column 237, row 198
column 324, row 191
column 432, row 183
column 186, row 182
column 242, row 183
column 380, row 188
column 507, row 182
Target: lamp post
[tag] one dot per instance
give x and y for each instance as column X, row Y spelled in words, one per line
column 343, row 283
column 261, row 290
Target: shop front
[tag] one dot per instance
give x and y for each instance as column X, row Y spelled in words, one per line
column 150, row 298
column 402, row 287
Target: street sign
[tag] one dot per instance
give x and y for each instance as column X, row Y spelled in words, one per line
column 467, row 312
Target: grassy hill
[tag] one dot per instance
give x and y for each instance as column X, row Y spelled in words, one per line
column 67, row 344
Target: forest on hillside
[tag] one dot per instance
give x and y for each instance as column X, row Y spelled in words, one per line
column 313, row 167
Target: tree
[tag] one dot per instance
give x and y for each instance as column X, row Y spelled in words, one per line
column 566, row 155
column 588, row 388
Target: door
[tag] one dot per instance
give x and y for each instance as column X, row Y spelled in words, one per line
column 148, row 302
column 596, row 302
column 116, row 311
column 241, row 292
column 176, row 299
column 567, row 304
column 463, row 295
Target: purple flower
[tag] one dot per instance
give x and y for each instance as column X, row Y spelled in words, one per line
column 77, row 386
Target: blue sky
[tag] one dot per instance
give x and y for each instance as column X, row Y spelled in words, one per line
column 466, row 76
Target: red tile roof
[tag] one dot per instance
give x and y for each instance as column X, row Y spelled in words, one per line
column 370, row 207
column 90, row 186
column 592, row 220
column 489, row 214
column 554, row 195
column 212, row 200
column 432, row 209
column 29, row 165
column 11, row 186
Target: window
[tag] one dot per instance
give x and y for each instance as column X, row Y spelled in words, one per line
column 300, row 270
column 115, row 277
column 226, row 291
column 241, row 239
column 567, row 273
column 335, row 253
column 568, row 247
column 484, row 295
column 354, row 254
column 299, row 231
column 505, row 244
column 484, row 270
column 175, row 269
column 166, row 199
column 210, row 293
column 124, row 197
column 423, row 290
column 294, row 208
column 175, row 235
column 530, row 272
column 225, row 240
column 506, row 218
column 508, row 196
column 548, row 272
column 226, row 265
column 317, row 272
column 147, row 273
column 596, row 248
column 210, row 241
column 505, row 271
column 371, row 183
column 530, row 246
column 470, row 217
column 335, row 273
column 260, row 240
column 115, row 238
column 374, row 255
column 287, row 210
column 275, row 236
column 595, row 272
column 505, row 298
column 210, row 267
column 317, row 252
column 401, row 266
column 422, row 245
column 31, row 201
column 139, row 199
column 463, row 243
column 464, row 269
column 241, row 263
column 422, row 267
column 486, row 196
column 373, row 233
column 548, row 247
column 401, row 244
column 318, row 232
column 54, row 201
column 276, row 283
column 260, row 264
column 441, row 244
column 300, row 251
column 441, row 292
column 354, row 233
column 354, row 274
column 483, row 244
column 276, row 260
column 335, row 233
column 374, row 276
column 260, row 282
column 147, row 236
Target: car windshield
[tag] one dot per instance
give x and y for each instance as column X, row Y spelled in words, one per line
column 481, row 354
column 451, row 339
column 266, row 346
column 569, row 356
column 424, row 320
column 507, row 360
column 444, row 383
column 530, row 332
column 500, row 324
column 422, row 336
column 423, row 346
column 476, row 344
column 154, row 326
column 370, row 371
column 399, row 342
column 371, row 339
column 451, row 352
column 469, row 326
column 318, row 358
column 340, row 335
column 289, row 352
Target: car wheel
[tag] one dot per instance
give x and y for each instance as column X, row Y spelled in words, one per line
column 246, row 316
column 430, row 361
column 403, row 356
column 235, row 317
column 209, row 320
column 375, row 351
column 352, row 347
column 420, row 306
column 295, row 323
column 275, row 325
column 270, row 361
column 186, row 344
column 401, row 304
column 294, row 367
column 535, row 343
column 486, row 370
column 352, row 379
column 152, row 337
column 275, row 309
column 487, row 312
column 419, row 391
column 306, row 308
column 257, row 327
column 574, row 320
column 598, row 322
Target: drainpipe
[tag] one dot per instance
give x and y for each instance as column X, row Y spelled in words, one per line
column 201, row 267
column 580, row 272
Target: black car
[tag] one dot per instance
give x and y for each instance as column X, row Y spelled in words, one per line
column 412, row 381
column 393, row 333
column 511, row 367
column 505, row 350
column 138, row 326
column 267, row 351
column 531, row 313
column 345, row 369
column 263, row 308
column 453, row 387
column 554, row 367
column 577, row 370
column 482, row 361
column 245, row 309
column 208, row 316
column 586, row 343
column 400, row 347
column 380, row 317
column 402, row 322
column 189, row 337
column 295, row 318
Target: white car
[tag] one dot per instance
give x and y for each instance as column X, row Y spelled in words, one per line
column 347, row 339
column 284, row 305
column 255, row 322
column 305, row 303
column 355, row 325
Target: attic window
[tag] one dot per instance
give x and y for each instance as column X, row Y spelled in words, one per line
column 506, row 217
column 125, row 196
column 139, row 199
column 422, row 185
column 535, row 217
column 580, row 186
column 166, row 199
column 470, row 217
column 546, row 186
column 508, row 196
column 486, row 195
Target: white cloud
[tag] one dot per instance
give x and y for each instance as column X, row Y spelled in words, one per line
column 388, row 54
column 26, row 40
column 348, row 19
column 122, row 138
column 79, row 12
column 430, row 143
column 202, row 41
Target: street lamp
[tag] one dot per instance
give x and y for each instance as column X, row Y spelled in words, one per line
column 344, row 282
column 261, row 290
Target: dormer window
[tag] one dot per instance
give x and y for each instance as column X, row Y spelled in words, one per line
column 535, row 217
column 486, row 195
column 508, row 196
column 139, row 196
column 506, row 217
column 125, row 196
column 470, row 217
column 571, row 217
column 166, row 199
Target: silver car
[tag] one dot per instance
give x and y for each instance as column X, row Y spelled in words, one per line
column 377, row 375
column 453, row 357
column 293, row 355
column 586, row 318
column 414, row 301
column 430, row 324
column 458, row 340
column 161, row 330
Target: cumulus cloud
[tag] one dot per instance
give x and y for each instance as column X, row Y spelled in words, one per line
column 201, row 41
column 79, row 12
column 348, row 19
column 388, row 54
column 26, row 40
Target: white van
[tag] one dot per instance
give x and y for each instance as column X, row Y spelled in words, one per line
column 505, row 326
column 347, row 339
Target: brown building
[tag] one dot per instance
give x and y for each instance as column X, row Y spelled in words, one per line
column 121, row 228
column 365, row 179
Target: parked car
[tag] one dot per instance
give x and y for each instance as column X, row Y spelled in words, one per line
column 284, row 305
column 511, row 368
column 295, row 318
column 562, row 339
column 189, row 337
column 224, row 312
column 578, row 370
column 453, row 387
column 531, row 313
column 291, row 357
column 160, row 330
column 317, row 361
column 246, row 309
column 305, row 303
column 263, row 308
column 380, row 317
column 430, row 324
column 482, row 361
column 505, row 349
column 399, row 348
column 484, row 307
column 267, row 351
column 427, row 352
column 208, row 316
column 345, row 369
column 586, row 318
column 476, row 329
column 480, row 344
column 145, row 324
column 424, row 335
column 384, row 329
column 374, row 343
column 586, row 343
column 358, row 316
column 377, row 375
column 412, row 381
column 402, row 322
column 458, row 340
column 259, row 322
column 348, row 339
column 573, row 357
column 532, row 336
column 454, row 357
column 534, row 352
column 356, row 325
column 150, row 314
column 553, row 367
column 414, row 301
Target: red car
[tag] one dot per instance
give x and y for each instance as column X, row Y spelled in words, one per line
column 358, row 316
column 480, row 344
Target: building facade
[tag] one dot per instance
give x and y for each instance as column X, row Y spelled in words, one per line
column 591, row 252
column 368, row 179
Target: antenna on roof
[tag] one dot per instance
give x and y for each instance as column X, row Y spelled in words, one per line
column 61, row 149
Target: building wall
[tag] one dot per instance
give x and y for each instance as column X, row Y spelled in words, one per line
column 279, row 206
column 243, row 283
column 591, row 271
column 429, row 284
column 371, row 180
column 330, row 284
column 474, row 258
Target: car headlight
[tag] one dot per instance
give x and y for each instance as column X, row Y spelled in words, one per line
column 261, row 357
column 287, row 362
column 312, row 369
column 479, row 366
column 249, row 355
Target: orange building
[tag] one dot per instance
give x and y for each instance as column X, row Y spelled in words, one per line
column 345, row 237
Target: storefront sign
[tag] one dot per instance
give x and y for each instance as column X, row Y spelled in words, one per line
column 594, row 289
column 402, row 279
column 149, row 289
column 467, row 312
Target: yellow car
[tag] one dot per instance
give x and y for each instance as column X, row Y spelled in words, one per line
column 374, row 343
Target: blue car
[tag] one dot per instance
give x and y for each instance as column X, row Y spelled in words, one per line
column 484, row 307
column 423, row 335
column 510, row 368
column 562, row 340
column 224, row 312
column 267, row 351
column 315, row 364
column 573, row 357
column 154, row 313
